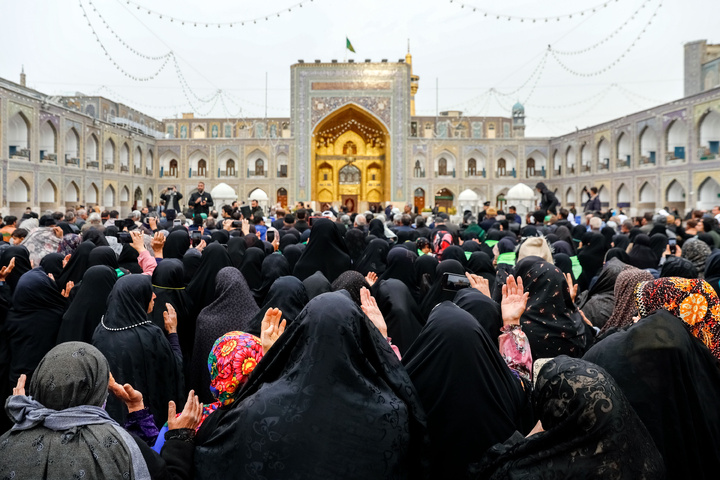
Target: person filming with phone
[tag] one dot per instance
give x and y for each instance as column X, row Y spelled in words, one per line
column 172, row 198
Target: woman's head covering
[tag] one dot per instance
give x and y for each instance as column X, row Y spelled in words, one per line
column 697, row 252
column 642, row 255
column 88, row 305
column 551, row 322
column 658, row 242
column 707, row 238
column 535, row 246
column 608, row 233
column 351, row 281
column 678, row 267
column 618, row 253
column 191, row 262
column 96, row 237
column 561, row 246
column 169, row 287
column 274, row 266
column 103, row 256
column 233, row 309
column 400, row 311
column 287, row 294
column 481, row 264
column 591, row 257
column 621, row 241
column 201, row 289
column 293, row 254
column 22, row 264
column 693, row 301
column 325, row 252
column 52, row 263
column 673, row 383
column 437, row 294
column 598, row 303
column 220, row 236
column 485, row 310
column 377, row 228
column 131, row 342
column 176, row 244
column 453, row 252
column 128, row 259
column 712, row 271
column 625, row 307
column 374, row 258
column 425, row 268
column 64, row 422
column 564, row 235
column 578, row 232
column 355, row 241
column 564, row 263
column 590, row 431
column 236, row 250
column 69, row 244
column 331, row 360
column 251, row 267
column 288, row 239
column 76, row 266
column 316, row 284
column 471, row 397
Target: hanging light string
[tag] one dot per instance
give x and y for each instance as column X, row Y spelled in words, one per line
column 167, row 57
column 130, row 101
column 614, row 62
column 522, row 19
column 609, row 37
column 195, row 23
column 653, row 101
column 578, row 115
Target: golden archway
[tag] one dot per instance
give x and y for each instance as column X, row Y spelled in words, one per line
column 349, row 151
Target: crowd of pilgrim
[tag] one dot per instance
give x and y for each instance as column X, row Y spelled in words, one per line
column 331, row 345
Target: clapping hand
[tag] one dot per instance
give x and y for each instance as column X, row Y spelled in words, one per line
column 370, row 307
column 271, row 328
column 191, row 415
column 479, row 283
column 132, row 398
column 513, row 301
column 371, row 278
column 20, row 388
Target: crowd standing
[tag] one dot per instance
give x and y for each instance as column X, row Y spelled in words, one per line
column 289, row 344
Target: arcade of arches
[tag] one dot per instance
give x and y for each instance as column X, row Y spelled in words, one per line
column 349, row 152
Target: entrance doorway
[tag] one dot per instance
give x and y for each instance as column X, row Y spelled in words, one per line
column 444, row 200
column 419, row 200
column 282, row 197
column 350, row 201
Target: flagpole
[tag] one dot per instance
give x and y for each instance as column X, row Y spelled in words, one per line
column 346, row 49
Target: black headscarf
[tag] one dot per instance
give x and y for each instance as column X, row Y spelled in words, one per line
column 139, row 354
column 251, row 267
column 608, row 233
column 293, row 254
column 287, row 294
column 236, row 250
column 453, row 252
column 437, row 294
column 273, row 267
column 481, row 264
column 103, row 256
column 551, row 322
column 351, row 281
column 679, row 267
column 563, row 234
column 128, row 259
column 191, row 263
column 233, row 309
column 201, row 289
column 425, row 268
column 96, row 237
column 642, row 255
column 33, row 322
column 88, row 305
column 401, row 266
column 374, row 258
column 712, row 271
column 52, row 263
column 598, row 303
column 618, row 253
column 220, row 236
column 73, row 437
column 563, row 247
column 485, row 310
column 471, row 397
column 22, row 265
column 564, row 263
column 400, row 310
column 316, row 284
column 288, row 239
column 377, row 228
column 591, row 257
column 325, row 252
column 658, row 242
column 334, row 390
column 76, row 266
column 621, row 241
column 578, row 232
column 673, row 382
column 169, row 287
column 591, row 431
column 176, row 244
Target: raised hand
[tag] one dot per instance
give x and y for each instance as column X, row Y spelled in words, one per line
column 371, row 278
column 152, row 221
column 137, row 241
column 190, row 416
column 513, row 301
column 65, row 260
column 245, row 226
column 479, row 283
column 201, row 245
column 5, row 271
column 58, row 232
column 68, row 287
column 170, row 318
column 132, row 398
column 370, row 307
column 157, row 244
column 572, row 286
column 19, row 389
column 271, row 328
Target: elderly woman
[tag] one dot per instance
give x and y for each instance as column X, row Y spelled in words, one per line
column 62, row 431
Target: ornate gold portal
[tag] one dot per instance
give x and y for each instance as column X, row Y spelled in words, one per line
column 349, row 151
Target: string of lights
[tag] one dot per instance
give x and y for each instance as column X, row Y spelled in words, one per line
column 609, row 37
column 129, row 101
column 117, row 65
column 544, row 19
column 614, row 62
column 196, row 23
column 578, row 115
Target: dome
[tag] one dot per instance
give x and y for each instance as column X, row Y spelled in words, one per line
column 468, row 196
column 223, row 190
column 259, row 195
column 518, row 108
column 520, row 192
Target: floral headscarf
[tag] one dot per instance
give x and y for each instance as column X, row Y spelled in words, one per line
column 231, row 361
column 694, row 301
column 69, row 244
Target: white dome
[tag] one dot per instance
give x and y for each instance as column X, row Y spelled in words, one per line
column 223, row 190
column 520, row 192
column 468, row 196
column 259, row 195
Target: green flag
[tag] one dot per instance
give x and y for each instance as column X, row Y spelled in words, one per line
column 348, row 45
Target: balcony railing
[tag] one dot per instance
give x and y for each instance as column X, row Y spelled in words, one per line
column 476, row 173
column 48, row 157
column 69, row 160
column 535, row 173
column 19, row 152
column 137, row 170
column 419, row 173
column 571, row 169
column 148, row 171
column 585, row 168
column 507, row 173
column 710, row 152
column 282, row 174
column 624, row 162
column 92, row 164
column 647, row 159
column 110, row 166
column 227, row 174
column 254, row 174
column 604, row 164
column 448, row 173
column 557, row 171
column 124, row 168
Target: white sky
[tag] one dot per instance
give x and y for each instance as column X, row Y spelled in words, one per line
column 467, row 52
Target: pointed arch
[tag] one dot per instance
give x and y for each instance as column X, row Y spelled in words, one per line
column 709, row 135
column 257, row 161
column 570, row 160
column 19, row 191
column 708, row 193
column 109, row 196
column 124, row 195
column 648, row 146
column 624, row 198
column 603, row 154
column 19, row 129
column 109, row 152
column 150, row 161
column 445, row 164
column 557, row 162
column 676, row 138
column 675, row 193
column 585, row 158
column 624, row 150
column 137, row 157
column 227, row 163
column 72, row 193
column 92, row 150
column 92, row 194
column 570, row 198
column 48, row 139
column 72, row 144
column 48, row 194
column 124, row 155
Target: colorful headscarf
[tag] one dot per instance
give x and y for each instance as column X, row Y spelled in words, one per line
column 442, row 240
column 69, row 244
column 694, row 301
column 231, row 361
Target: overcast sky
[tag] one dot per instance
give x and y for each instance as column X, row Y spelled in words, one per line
column 465, row 51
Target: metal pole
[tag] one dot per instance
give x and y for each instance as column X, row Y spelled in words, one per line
column 266, row 91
